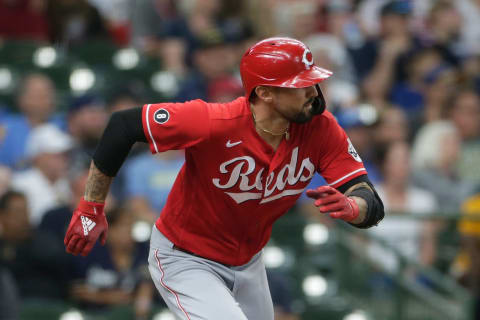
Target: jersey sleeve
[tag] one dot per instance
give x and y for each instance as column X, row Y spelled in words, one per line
column 170, row 126
column 339, row 161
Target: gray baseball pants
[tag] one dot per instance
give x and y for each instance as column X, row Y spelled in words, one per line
column 195, row 288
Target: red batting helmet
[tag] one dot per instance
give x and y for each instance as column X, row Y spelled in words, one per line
column 280, row 62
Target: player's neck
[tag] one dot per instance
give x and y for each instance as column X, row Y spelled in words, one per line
column 271, row 126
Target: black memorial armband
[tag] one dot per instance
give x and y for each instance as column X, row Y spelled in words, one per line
column 375, row 209
column 123, row 129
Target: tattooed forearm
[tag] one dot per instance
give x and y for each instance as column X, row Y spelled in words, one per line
column 97, row 185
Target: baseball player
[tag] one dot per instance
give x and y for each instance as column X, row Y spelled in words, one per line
column 246, row 163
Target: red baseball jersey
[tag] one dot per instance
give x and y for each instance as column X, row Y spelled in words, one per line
column 234, row 185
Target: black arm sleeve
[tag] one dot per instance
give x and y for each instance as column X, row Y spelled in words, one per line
column 375, row 209
column 123, row 129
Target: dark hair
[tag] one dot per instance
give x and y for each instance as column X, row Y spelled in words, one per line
column 7, row 197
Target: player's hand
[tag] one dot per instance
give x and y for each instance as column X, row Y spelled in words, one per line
column 331, row 201
column 87, row 225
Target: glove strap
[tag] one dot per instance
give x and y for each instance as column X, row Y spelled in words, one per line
column 355, row 209
column 91, row 207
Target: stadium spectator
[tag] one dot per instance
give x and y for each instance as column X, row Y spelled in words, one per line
column 465, row 113
column 211, row 60
column 330, row 52
column 45, row 184
column 444, row 25
column 435, row 153
column 391, row 127
column 426, row 91
column 114, row 274
column 381, row 61
column 414, row 238
column 36, row 102
column 470, row 31
column 72, row 22
column 36, row 260
column 148, row 181
column 86, row 120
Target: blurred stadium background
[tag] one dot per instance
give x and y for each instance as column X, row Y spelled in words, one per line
column 406, row 88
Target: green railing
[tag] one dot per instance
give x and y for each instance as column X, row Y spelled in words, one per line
column 410, row 292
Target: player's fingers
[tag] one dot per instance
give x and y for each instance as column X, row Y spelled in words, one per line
column 331, row 208
column 67, row 238
column 313, row 193
column 327, row 189
column 103, row 237
column 70, row 245
column 327, row 199
column 79, row 246
column 88, row 247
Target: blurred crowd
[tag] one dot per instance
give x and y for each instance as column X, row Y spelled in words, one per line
column 405, row 87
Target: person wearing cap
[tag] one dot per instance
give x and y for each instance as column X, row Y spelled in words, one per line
column 45, row 184
column 247, row 161
column 381, row 61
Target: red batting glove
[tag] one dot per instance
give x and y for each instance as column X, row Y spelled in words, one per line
column 87, row 224
column 338, row 205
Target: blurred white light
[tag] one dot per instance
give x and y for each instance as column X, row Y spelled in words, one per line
column 141, row 231
column 45, row 57
column 82, row 79
column 5, row 78
column 71, row 315
column 164, row 315
column 356, row 315
column 273, row 257
column 315, row 234
column 314, row 286
column 126, row 59
column 367, row 114
column 164, row 82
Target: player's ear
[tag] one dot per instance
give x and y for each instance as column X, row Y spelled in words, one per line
column 264, row 93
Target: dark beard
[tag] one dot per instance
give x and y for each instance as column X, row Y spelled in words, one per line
column 306, row 116
column 318, row 106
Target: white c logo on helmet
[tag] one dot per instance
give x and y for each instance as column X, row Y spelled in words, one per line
column 307, row 58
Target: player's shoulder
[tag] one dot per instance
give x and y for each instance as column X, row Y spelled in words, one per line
column 230, row 110
column 216, row 111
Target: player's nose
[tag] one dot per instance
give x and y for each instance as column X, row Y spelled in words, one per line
column 312, row 92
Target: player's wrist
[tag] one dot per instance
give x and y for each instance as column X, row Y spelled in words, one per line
column 91, row 207
column 355, row 210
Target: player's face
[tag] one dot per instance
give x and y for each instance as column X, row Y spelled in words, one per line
column 296, row 104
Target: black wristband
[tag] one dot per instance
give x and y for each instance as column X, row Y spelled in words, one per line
column 123, row 130
column 375, row 210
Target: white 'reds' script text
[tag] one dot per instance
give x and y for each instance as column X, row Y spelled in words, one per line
column 241, row 168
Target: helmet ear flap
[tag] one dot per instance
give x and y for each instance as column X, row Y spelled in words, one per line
column 319, row 105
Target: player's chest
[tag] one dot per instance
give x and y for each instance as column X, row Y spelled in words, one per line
column 246, row 169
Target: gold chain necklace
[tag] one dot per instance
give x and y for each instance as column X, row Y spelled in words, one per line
column 286, row 133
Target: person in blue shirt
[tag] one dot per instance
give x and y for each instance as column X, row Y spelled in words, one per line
column 36, row 104
column 148, row 181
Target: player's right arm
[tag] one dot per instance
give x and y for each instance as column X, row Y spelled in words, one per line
column 88, row 221
column 164, row 126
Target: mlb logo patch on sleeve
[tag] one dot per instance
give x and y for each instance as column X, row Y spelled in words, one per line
column 353, row 152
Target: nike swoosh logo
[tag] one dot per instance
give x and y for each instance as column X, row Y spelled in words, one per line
column 233, row 144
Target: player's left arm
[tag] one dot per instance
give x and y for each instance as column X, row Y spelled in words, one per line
column 356, row 202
